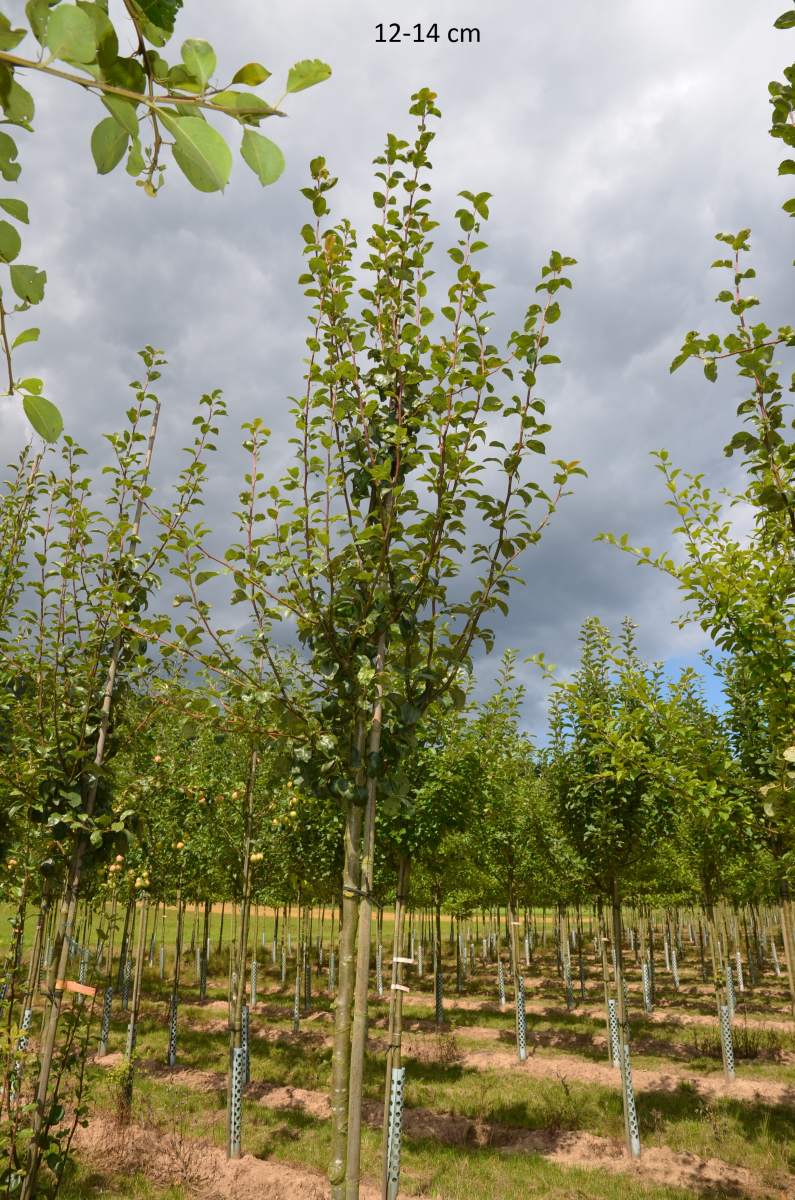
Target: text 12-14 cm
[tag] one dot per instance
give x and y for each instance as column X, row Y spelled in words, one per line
column 457, row 34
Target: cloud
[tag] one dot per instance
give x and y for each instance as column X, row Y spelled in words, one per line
column 625, row 135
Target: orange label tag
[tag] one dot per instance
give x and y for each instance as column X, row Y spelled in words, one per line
column 69, row 985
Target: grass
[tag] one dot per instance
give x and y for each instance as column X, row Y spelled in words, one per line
column 758, row 1136
column 753, row 1135
column 428, row 1168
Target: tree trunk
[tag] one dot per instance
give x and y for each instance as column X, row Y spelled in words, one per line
column 340, row 1058
column 393, row 1060
column 132, row 1028
column 239, row 967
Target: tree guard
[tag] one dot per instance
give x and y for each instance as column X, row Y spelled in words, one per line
column 235, row 1108
column 395, row 1130
column 615, row 1043
column 172, row 1031
column 521, row 1023
column 107, row 1001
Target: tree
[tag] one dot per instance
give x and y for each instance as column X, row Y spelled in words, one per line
column 366, row 550
column 614, row 781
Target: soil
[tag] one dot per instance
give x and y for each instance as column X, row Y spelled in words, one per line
column 241, row 1179
column 168, row 1157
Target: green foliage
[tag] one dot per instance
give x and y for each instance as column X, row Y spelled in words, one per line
column 613, row 774
column 155, row 107
column 782, row 100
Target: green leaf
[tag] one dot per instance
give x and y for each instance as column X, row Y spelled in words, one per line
column 104, row 33
column 159, row 17
column 306, row 74
column 9, row 169
column 9, row 38
column 16, row 208
column 787, row 167
column 27, row 335
column 126, row 73
column 44, row 417
column 251, row 74
column 263, row 156
column 108, row 144
column 122, row 111
column 17, row 103
column 135, row 159
column 200, row 152
column 199, row 58
column 10, row 242
column 38, row 14
column 70, row 34
column 28, row 283
column 251, row 107
column 785, row 21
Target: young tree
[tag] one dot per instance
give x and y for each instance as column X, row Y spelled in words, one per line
column 404, row 436
column 614, row 781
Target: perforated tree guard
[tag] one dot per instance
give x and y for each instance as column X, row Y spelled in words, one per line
column 526, row 950
column 727, row 1045
column 284, row 966
column 245, row 1044
column 420, row 960
column 632, row 1112
column 395, row 1131
column 774, row 956
column 667, row 952
column 236, row 1102
column 104, row 1031
column 162, row 961
column 647, row 1001
column 297, row 1003
column 567, row 980
column 332, row 972
column 615, row 1042
column 24, row 1026
column 521, row 1022
column 740, row 978
column 379, row 972
column 501, row 982
column 675, row 969
column 125, row 987
column 254, row 972
column 172, row 1031
column 439, row 997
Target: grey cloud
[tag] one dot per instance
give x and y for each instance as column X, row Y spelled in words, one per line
column 623, row 134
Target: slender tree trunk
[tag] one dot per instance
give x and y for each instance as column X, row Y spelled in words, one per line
column 132, row 1028
column 239, row 971
column 621, row 1010
column 340, row 1058
column 393, row 1055
column 221, row 929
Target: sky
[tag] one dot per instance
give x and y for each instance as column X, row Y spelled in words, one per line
column 624, row 134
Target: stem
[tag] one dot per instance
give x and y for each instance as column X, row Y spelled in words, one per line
column 340, row 1059
column 395, row 1004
